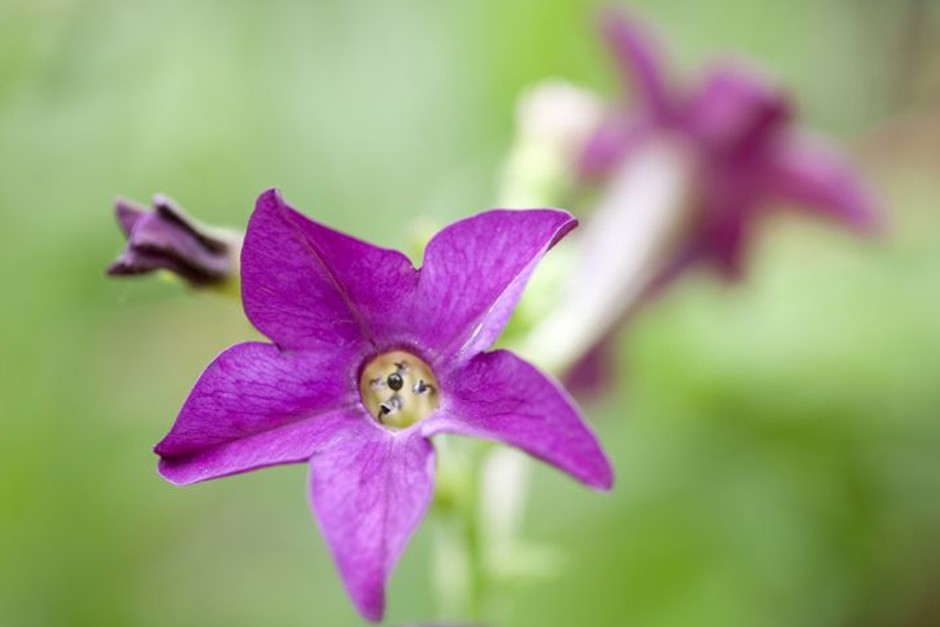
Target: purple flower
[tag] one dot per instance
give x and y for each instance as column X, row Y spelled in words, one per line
column 369, row 358
column 166, row 238
column 739, row 130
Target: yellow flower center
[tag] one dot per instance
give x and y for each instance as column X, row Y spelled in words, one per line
column 399, row 389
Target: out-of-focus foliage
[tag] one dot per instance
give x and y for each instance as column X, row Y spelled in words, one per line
column 777, row 444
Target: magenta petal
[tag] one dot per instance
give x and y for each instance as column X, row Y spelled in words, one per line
column 369, row 491
column 593, row 373
column 498, row 396
column 728, row 240
column 474, row 273
column 255, row 406
column 638, row 59
column 736, row 110
column 809, row 171
column 307, row 286
column 128, row 214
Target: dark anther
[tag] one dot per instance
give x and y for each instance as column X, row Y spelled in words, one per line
column 390, row 406
column 395, row 381
column 421, row 387
column 402, row 366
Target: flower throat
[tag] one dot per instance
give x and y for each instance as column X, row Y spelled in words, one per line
column 398, row 389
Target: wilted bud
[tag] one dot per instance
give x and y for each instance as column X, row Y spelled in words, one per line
column 166, row 238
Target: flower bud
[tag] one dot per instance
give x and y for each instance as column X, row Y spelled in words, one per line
column 166, row 238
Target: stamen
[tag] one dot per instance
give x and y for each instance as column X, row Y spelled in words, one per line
column 391, row 406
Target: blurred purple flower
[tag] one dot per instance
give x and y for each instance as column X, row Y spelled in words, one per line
column 370, row 358
column 747, row 153
column 166, row 238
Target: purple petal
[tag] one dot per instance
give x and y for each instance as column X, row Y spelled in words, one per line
column 731, row 198
column 256, row 406
column 728, row 241
column 736, row 110
column 473, row 275
column 593, row 373
column 173, row 214
column 369, row 491
column 307, row 286
column 638, row 59
column 128, row 214
column 809, row 171
column 181, row 248
column 133, row 262
column 498, row 396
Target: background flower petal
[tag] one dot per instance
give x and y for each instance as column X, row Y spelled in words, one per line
column 498, row 396
column 256, row 406
column 808, row 171
column 639, row 60
column 369, row 490
column 474, row 273
column 128, row 213
column 736, row 111
column 307, row 286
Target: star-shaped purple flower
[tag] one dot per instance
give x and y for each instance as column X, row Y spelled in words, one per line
column 370, row 358
column 747, row 153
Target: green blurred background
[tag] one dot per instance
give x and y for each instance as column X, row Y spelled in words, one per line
column 777, row 444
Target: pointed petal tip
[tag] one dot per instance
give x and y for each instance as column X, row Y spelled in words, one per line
column 161, row 200
column 604, row 482
column 168, row 472
column 615, row 21
column 127, row 213
column 638, row 57
column 116, row 269
column 372, row 613
column 623, row 32
column 870, row 224
column 122, row 267
column 270, row 197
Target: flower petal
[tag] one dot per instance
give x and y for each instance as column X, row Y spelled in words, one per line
column 168, row 239
column 736, row 111
column 639, row 60
column 594, row 372
column 256, row 406
column 128, row 213
column 369, row 490
column 498, row 396
column 809, row 171
column 731, row 200
column 307, row 286
column 474, row 273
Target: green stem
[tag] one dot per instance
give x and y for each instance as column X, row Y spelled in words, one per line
column 460, row 570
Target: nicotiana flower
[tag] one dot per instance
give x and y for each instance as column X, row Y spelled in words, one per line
column 682, row 177
column 738, row 129
column 369, row 358
column 166, row 238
